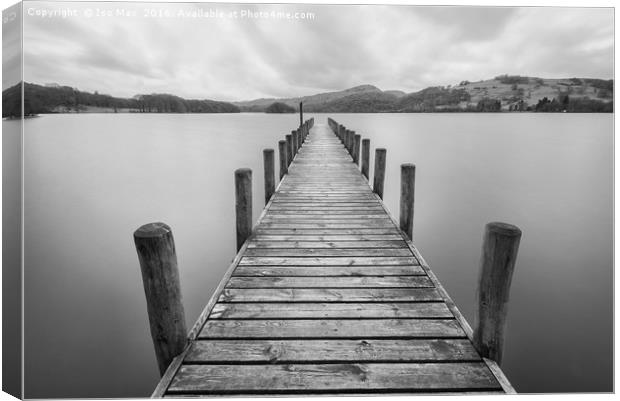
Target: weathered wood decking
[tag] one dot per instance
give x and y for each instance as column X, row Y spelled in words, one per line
column 328, row 296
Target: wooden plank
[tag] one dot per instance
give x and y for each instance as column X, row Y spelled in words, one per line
column 356, row 238
column 271, row 217
column 329, row 224
column 330, row 295
column 331, row 282
column 286, row 378
column 272, row 310
column 360, row 243
column 327, row 261
column 261, row 230
column 368, row 350
column 331, row 328
column 327, row 252
column 328, row 271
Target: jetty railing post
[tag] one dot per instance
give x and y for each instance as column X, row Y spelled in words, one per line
column 289, row 149
column 160, row 277
column 299, row 139
column 294, row 139
column 270, row 177
column 243, row 204
column 407, row 198
column 341, row 132
column 282, row 151
column 499, row 253
column 349, row 141
column 365, row 157
column 379, row 176
column 356, row 149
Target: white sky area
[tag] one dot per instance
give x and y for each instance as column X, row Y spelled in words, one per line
column 393, row 47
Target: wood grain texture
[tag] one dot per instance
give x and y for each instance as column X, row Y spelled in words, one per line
column 162, row 287
column 286, row 378
column 331, row 328
column 331, row 282
column 333, row 271
column 316, row 310
column 329, row 295
column 367, row 350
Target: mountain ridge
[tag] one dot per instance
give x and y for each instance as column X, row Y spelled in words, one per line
column 502, row 93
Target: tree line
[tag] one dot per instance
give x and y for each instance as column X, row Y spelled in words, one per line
column 40, row 99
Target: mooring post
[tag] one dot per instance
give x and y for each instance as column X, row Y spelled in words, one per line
column 243, row 204
column 289, row 149
column 283, row 162
column 356, row 149
column 301, row 113
column 294, row 139
column 499, row 253
column 365, row 157
column 379, row 176
column 270, row 177
column 350, row 146
column 407, row 198
column 160, row 277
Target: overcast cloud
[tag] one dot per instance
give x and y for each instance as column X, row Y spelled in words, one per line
column 392, row 47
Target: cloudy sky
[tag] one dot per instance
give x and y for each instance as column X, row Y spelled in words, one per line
column 165, row 48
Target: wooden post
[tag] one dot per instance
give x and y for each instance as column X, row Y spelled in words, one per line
column 243, row 204
column 270, row 178
column 341, row 132
column 283, row 161
column 301, row 113
column 299, row 139
column 350, row 142
column 294, row 138
column 379, row 177
column 289, row 149
column 365, row 157
column 356, row 149
column 499, row 253
column 407, row 197
column 162, row 287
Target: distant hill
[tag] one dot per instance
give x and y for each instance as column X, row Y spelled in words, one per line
column 278, row 107
column 309, row 101
column 502, row 93
column 39, row 99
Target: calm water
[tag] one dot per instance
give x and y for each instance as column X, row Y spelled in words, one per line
column 91, row 180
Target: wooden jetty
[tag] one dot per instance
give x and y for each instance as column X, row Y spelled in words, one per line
column 327, row 294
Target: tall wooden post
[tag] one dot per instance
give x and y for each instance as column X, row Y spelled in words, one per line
column 270, row 177
column 283, row 161
column 160, row 277
column 356, row 149
column 243, row 204
column 365, row 157
column 301, row 113
column 499, row 253
column 407, row 198
column 294, row 138
column 289, row 149
column 379, row 176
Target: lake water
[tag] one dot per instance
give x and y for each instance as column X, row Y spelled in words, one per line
column 91, row 180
